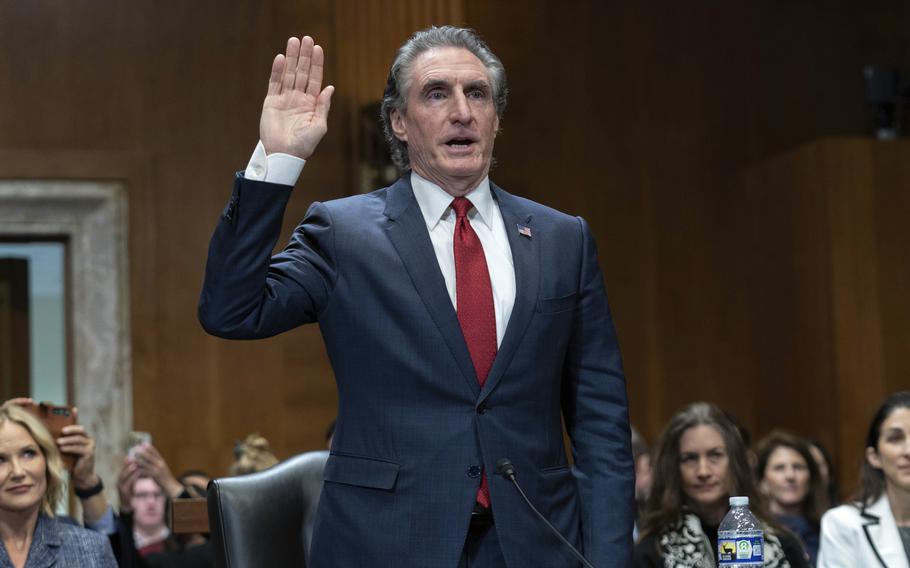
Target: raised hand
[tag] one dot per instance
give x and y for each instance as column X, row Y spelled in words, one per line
column 77, row 442
column 296, row 108
column 129, row 473
column 152, row 464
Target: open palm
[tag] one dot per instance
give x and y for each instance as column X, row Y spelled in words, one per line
column 296, row 108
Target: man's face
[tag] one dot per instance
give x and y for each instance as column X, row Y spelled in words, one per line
column 451, row 121
column 148, row 504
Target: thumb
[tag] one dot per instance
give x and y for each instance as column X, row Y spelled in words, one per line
column 324, row 103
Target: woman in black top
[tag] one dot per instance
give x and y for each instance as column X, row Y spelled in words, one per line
column 700, row 461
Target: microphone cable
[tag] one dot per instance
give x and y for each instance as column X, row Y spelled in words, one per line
column 505, row 468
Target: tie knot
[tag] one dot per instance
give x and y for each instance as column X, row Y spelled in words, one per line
column 461, row 205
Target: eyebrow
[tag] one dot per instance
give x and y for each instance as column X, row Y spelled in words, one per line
column 437, row 83
column 20, row 449
column 434, row 84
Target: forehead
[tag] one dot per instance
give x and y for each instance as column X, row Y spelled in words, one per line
column 145, row 484
column 700, row 437
column 13, row 435
column 898, row 419
column 785, row 454
column 450, row 64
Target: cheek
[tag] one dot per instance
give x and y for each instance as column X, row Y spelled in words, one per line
column 723, row 474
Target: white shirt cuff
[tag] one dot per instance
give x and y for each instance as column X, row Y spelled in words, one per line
column 273, row 168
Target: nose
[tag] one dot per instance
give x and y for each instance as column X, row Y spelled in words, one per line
column 460, row 110
column 702, row 470
column 16, row 468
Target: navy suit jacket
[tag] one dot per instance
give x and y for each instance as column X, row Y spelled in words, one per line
column 414, row 427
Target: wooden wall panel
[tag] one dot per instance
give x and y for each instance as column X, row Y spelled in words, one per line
column 827, row 247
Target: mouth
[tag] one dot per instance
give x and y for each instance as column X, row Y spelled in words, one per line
column 460, row 143
column 19, row 488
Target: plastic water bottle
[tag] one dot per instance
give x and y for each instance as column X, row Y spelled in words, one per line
column 740, row 542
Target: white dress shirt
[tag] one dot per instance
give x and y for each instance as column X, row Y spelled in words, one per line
column 435, row 206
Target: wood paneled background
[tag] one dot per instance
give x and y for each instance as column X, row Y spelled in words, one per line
column 660, row 122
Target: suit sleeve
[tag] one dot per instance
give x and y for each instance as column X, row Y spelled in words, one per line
column 595, row 407
column 248, row 293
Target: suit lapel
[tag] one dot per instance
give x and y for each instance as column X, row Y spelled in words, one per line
column 408, row 232
column 525, row 257
column 882, row 534
column 45, row 544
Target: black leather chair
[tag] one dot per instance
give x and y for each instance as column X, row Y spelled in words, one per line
column 265, row 519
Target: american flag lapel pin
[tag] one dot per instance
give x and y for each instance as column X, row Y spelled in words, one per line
column 524, row 231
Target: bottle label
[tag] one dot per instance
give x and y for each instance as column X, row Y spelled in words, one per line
column 743, row 549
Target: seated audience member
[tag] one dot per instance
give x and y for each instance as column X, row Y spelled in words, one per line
column 195, row 483
column 146, row 485
column 874, row 529
column 790, row 481
column 641, row 456
column 147, row 503
column 826, row 470
column 31, row 485
column 699, row 462
column 252, row 455
column 97, row 514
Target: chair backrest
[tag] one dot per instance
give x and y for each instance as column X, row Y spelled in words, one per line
column 266, row 518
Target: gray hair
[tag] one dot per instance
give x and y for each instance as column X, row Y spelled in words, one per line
column 395, row 95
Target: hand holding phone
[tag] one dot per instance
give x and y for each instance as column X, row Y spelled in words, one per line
column 135, row 439
column 54, row 417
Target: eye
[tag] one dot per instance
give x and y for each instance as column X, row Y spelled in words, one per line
column 436, row 95
column 477, row 94
column 715, row 455
column 895, row 436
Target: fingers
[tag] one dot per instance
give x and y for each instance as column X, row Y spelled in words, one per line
column 21, row 401
column 300, row 68
column 277, row 73
column 292, row 55
column 314, row 72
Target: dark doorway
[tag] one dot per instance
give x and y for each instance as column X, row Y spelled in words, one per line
column 15, row 365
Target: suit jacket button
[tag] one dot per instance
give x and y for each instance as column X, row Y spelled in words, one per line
column 474, row 471
column 482, row 408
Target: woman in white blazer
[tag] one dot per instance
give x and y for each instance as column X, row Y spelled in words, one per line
column 867, row 532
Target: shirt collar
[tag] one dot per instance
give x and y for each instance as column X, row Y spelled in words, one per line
column 434, row 202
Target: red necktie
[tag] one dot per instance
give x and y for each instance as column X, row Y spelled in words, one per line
column 474, row 296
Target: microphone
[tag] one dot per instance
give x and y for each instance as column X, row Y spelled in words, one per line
column 505, row 468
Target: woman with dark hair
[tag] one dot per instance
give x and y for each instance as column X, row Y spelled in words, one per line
column 700, row 461
column 790, row 481
column 874, row 530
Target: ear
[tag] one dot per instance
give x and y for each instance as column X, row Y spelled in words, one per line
column 873, row 458
column 398, row 126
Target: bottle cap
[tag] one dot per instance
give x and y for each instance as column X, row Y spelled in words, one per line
column 739, row 501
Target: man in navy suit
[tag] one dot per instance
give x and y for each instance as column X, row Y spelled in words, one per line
column 464, row 325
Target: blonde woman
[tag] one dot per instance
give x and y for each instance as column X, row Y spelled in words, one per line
column 31, row 485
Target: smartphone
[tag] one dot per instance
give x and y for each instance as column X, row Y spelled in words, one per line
column 54, row 417
column 136, row 438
